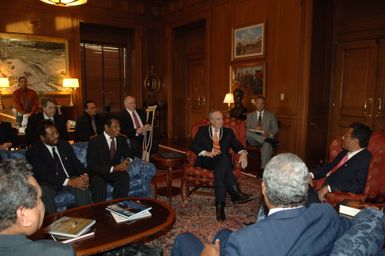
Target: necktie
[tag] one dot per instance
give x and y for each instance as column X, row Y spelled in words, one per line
column 93, row 125
column 259, row 122
column 343, row 160
column 136, row 120
column 216, row 146
column 112, row 148
column 59, row 166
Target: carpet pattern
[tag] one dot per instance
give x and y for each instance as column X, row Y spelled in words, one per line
column 198, row 215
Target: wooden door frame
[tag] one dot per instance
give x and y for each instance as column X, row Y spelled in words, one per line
column 170, row 30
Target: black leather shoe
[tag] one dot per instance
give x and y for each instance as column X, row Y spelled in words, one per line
column 237, row 197
column 220, row 211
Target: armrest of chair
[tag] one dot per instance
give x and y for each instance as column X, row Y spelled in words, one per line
column 335, row 198
column 141, row 173
column 191, row 157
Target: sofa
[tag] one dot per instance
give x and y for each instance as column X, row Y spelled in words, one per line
column 140, row 173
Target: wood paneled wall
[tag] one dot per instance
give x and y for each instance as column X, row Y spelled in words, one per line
column 36, row 18
column 288, row 40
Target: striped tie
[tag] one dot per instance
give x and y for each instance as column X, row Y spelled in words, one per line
column 216, row 146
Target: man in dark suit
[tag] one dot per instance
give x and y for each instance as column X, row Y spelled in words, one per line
column 89, row 124
column 22, row 213
column 133, row 124
column 8, row 136
column 349, row 170
column 56, row 168
column 212, row 144
column 49, row 112
column 289, row 229
column 108, row 158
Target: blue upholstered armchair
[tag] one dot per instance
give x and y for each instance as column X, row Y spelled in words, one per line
column 140, row 172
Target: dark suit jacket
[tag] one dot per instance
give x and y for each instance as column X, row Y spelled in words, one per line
column 32, row 134
column 20, row 245
column 202, row 140
column 8, row 134
column 300, row 231
column 44, row 165
column 84, row 129
column 98, row 154
column 351, row 176
column 127, row 124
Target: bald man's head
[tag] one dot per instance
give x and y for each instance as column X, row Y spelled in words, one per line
column 130, row 103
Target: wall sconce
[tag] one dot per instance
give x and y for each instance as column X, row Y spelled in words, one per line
column 64, row 3
column 71, row 83
column 4, row 83
column 229, row 99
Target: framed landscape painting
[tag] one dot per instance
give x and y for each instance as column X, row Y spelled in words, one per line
column 249, row 77
column 248, row 41
column 42, row 60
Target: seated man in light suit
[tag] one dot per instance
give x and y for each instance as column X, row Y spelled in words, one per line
column 22, row 213
column 266, row 123
column 289, row 229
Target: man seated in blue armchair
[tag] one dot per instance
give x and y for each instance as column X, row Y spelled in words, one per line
column 108, row 159
column 289, row 229
column 56, row 168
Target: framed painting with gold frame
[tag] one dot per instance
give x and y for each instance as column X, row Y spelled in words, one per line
column 248, row 41
column 250, row 77
column 42, row 60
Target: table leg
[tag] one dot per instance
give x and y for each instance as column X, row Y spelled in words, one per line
column 169, row 183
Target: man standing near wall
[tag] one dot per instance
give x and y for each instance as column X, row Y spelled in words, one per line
column 25, row 100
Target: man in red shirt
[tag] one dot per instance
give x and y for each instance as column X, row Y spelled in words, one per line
column 25, row 100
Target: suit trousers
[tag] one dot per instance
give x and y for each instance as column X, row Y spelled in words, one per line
column 120, row 181
column 136, row 145
column 257, row 140
column 82, row 197
column 224, row 178
column 187, row 244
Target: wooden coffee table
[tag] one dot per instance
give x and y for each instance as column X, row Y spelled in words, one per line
column 109, row 234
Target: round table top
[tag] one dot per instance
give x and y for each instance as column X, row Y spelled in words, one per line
column 170, row 161
column 109, row 234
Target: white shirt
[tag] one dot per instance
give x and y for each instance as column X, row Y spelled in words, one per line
column 260, row 113
column 61, row 162
column 137, row 115
column 48, row 117
column 279, row 209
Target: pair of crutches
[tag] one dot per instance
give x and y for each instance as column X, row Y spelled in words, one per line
column 148, row 135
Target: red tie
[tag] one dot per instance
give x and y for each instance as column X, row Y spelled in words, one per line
column 343, row 160
column 136, row 120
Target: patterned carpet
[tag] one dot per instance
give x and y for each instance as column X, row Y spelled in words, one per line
column 198, row 215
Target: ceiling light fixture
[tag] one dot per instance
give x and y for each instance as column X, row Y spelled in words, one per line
column 64, row 3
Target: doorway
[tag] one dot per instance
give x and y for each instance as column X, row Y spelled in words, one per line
column 189, row 80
